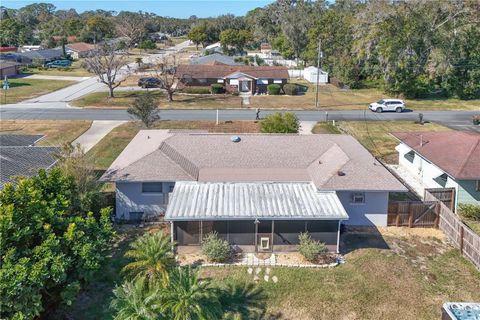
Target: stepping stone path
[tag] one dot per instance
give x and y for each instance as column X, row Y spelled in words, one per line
column 266, row 278
column 250, row 270
column 258, row 270
column 274, row 279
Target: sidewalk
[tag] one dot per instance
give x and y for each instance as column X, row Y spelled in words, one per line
column 98, row 130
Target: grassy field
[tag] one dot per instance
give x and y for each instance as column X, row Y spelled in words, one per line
column 75, row 71
column 23, row 89
column 114, row 142
column 330, row 97
column 398, row 274
column 375, row 135
column 56, row 131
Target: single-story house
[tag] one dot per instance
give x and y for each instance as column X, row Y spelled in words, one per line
column 21, row 157
column 449, row 159
column 258, row 191
column 245, row 79
column 79, row 49
column 41, row 56
column 8, row 68
column 311, row 73
column 215, row 59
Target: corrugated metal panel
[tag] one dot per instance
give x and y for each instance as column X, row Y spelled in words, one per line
column 214, row 201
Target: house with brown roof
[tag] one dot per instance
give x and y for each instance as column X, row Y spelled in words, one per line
column 79, row 49
column 258, row 191
column 8, row 68
column 449, row 159
column 242, row 78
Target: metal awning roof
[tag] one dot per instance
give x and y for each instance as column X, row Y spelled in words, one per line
column 192, row 200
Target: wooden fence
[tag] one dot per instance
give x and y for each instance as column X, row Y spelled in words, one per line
column 445, row 195
column 413, row 214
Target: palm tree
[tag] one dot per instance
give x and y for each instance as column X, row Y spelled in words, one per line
column 242, row 301
column 152, row 257
column 134, row 300
column 189, row 298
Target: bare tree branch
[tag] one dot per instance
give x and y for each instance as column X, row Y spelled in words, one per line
column 165, row 70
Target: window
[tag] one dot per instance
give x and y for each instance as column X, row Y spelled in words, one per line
column 202, row 80
column 478, row 185
column 410, row 156
column 358, row 197
column 152, row 187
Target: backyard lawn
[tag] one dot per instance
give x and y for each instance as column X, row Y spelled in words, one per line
column 23, row 89
column 398, row 274
column 56, row 131
column 114, row 142
column 330, row 97
column 375, row 135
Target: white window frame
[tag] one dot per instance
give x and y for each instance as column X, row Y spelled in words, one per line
column 356, row 196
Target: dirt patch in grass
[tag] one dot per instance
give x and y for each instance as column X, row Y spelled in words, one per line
column 115, row 141
column 56, row 131
column 23, row 89
column 375, row 135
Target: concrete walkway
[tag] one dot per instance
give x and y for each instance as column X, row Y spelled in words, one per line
column 306, row 127
column 97, row 131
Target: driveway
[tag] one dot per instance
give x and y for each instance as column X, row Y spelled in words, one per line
column 95, row 133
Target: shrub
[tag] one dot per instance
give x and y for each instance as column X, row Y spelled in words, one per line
column 290, row 89
column 310, row 249
column 470, row 211
column 197, row 90
column 214, row 248
column 273, row 89
column 280, row 123
column 217, row 88
column 147, row 44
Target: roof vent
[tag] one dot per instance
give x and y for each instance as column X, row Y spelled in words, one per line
column 340, row 173
column 235, row 139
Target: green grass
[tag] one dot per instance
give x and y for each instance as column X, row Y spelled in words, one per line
column 403, row 274
column 330, row 97
column 75, row 70
column 375, row 135
column 23, row 89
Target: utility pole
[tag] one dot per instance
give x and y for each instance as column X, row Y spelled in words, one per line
column 319, row 57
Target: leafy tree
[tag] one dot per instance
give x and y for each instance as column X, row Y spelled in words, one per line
column 9, row 32
column 189, row 297
column 283, row 46
column 145, row 109
column 310, row 248
column 97, row 28
column 48, row 249
column 280, row 123
column 198, row 35
column 152, row 257
column 234, row 38
column 132, row 26
column 147, row 45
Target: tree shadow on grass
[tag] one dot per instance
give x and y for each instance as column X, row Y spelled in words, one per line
column 361, row 238
column 19, row 84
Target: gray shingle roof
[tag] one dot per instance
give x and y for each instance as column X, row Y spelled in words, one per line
column 18, row 140
column 168, row 156
column 215, row 58
column 25, row 161
column 43, row 54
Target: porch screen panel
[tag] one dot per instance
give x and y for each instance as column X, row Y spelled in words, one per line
column 323, row 230
column 241, row 232
column 187, row 232
column 286, row 232
column 215, row 226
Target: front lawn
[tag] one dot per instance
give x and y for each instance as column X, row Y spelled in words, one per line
column 116, row 140
column 398, row 274
column 330, row 97
column 56, row 131
column 75, row 70
column 23, row 89
column 375, row 135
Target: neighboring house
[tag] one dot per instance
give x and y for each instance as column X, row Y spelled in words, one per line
column 266, row 48
column 245, row 79
column 8, row 68
column 448, row 159
column 214, row 47
column 311, row 73
column 79, row 49
column 41, row 56
column 258, row 191
column 215, row 59
column 27, row 48
column 20, row 157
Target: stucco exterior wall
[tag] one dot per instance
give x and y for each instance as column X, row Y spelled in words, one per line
column 130, row 198
column 467, row 192
column 373, row 212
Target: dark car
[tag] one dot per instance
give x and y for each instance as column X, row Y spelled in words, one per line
column 149, row 82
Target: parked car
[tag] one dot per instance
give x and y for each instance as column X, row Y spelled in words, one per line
column 149, row 82
column 387, row 105
column 59, row 64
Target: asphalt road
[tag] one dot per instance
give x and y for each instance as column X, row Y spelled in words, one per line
column 459, row 120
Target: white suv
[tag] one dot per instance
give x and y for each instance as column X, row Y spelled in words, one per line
column 387, row 105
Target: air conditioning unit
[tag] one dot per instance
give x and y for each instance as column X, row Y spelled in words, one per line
column 265, row 243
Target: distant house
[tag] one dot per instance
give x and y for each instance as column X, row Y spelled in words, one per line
column 258, row 191
column 214, row 47
column 311, row 73
column 27, row 48
column 245, row 79
column 215, row 59
column 21, row 157
column 8, row 68
column 266, row 48
column 443, row 160
column 41, row 56
column 79, row 49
